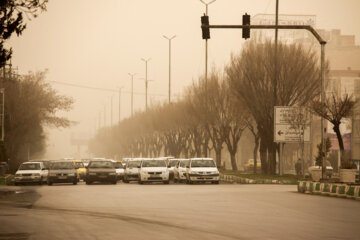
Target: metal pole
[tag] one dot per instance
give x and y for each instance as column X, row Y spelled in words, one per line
column 120, row 104
column 275, row 77
column 132, row 90
column 323, row 98
column 206, row 44
column 111, row 111
column 169, row 64
column 3, row 115
column 146, row 82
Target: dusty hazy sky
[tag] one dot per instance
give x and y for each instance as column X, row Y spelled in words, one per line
column 97, row 43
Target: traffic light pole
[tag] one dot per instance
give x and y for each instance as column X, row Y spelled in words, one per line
column 322, row 43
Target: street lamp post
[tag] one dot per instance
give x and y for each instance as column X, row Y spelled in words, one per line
column 132, row 92
column 120, row 103
column 146, row 82
column 206, row 43
column 169, row 64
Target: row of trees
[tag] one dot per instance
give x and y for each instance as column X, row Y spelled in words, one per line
column 213, row 114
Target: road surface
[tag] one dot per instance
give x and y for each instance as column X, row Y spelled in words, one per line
column 175, row 211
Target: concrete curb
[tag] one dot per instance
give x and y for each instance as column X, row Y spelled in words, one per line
column 340, row 190
column 242, row 180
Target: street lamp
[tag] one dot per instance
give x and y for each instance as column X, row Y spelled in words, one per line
column 206, row 43
column 120, row 103
column 169, row 64
column 146, row 82
column 132, row 92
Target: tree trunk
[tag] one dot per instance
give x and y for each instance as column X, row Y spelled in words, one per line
column 255, row 151
column 218, row 156
column 233, row 160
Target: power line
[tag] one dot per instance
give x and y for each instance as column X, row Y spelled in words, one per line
column 102, row 89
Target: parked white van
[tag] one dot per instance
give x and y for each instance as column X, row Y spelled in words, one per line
column 31, row 172
column 154, row 170
column 202, row 170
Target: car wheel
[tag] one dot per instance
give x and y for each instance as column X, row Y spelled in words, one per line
column 215, row 182
column 16, row 184
column 166, row 182
column 75, row 182
column 49, row 183
column 41, row 182
column 175, row 180
column 141, row 182
column 88, row 182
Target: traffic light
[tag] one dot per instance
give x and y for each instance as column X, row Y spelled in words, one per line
column 205, row 30
column 246, row 30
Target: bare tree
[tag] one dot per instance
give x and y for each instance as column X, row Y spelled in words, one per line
column 334, row 109
column 251, row 76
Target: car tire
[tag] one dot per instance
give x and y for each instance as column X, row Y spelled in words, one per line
column 75, row 182
column 49, row 183
column 141, row 182
column 175, row 180
column 215, row 182
column 87, row 182
column 17, row 184
column 166, row 182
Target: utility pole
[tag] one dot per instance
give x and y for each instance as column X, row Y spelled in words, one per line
column 169, row 64
column 146, row 82
column 111, row 111
column 120, row 103
column 132, row 92
column 206, row 44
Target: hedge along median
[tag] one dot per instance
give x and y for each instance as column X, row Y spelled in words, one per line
column 244, row 180
column 330, row 189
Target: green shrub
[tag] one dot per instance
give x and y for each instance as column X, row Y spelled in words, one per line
column 333, row 189
column 326, row 188
column 304, row 187
column 317, row 187
column 351, row 191
column 342, row 190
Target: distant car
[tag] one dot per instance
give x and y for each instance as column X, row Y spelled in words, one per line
column 171, row 165
column 31, row 172
column 180, row 170
column 101, row 171
column 80, row 168
column 131, row 172
column 154, row 170
column 119, row 167
column 250, row 164
column 329, row 169
column 62, row 171
column 202, row 170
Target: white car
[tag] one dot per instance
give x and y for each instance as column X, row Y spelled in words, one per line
column 131, row 171
column 180, row 170
column 154, row 170
column 202, row 170
column 31, row 172
column 119, row 167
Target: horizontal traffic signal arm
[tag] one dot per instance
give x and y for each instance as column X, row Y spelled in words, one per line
column 306, row 27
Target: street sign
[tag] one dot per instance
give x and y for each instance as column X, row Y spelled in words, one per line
column 291, row 124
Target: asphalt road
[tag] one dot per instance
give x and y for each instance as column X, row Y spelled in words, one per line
column 175, row 211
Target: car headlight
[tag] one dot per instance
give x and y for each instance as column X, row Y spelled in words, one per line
column 92, row 173
column 112, row 173
column 71, row 174
column 193, row 172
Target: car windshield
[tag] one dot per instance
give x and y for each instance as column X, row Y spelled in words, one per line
column 101, row 164
column 30, row 166
column 172, row 163
column 184, row 163
column 154, row 163
column 118, row 165
column 202, row 163
column 79, row 164
column 133, row 164
column 62, row 165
